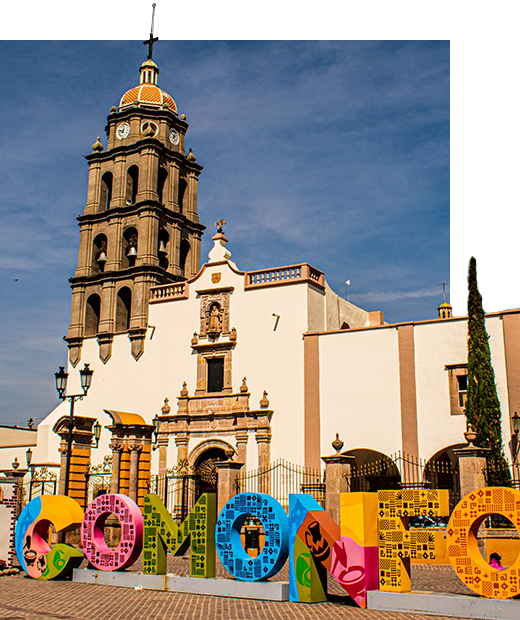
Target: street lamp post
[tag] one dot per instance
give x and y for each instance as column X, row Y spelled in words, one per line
column 515, row 423
column 61, row 385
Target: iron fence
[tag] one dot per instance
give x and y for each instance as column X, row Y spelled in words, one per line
column 98, row 479
column 402, row 471
column 43, row 481
column 282, row 478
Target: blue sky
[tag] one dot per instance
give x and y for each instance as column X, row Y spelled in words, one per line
column 330, row 152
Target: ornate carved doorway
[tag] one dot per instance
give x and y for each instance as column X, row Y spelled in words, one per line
column 206, row 470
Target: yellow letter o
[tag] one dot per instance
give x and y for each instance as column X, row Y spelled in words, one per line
column 462, row 545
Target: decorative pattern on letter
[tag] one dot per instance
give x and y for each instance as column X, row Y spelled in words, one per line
column 396, row 543
column 318, row 545
column 36, row 557
column 229, row 546
column 197, row 530
column 462, row 545
column 96, row 550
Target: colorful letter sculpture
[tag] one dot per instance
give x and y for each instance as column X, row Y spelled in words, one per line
column 318, row 546
column 397, row 544
column 32, row 531
column 229, row 546
column 355, row 557
column 161, row 533
column 462, row 544
column 96, row 550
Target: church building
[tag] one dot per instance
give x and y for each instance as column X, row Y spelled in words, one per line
column 195, row 363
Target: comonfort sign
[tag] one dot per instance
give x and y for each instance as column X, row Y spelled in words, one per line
column 370, row 549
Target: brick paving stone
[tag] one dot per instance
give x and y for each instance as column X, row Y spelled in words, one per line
column 22, row 598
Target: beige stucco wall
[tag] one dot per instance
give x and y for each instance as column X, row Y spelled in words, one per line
column 359, row 390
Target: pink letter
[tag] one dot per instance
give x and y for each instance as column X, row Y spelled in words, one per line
column 94, row 546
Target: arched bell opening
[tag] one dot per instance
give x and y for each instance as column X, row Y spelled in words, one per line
column 106, row 191
column 92, row 315
column 183, row 256
column 162, row 251
column 132, row 185
column 130, row 243
column 123, row 309
column 182, row 195
column 99, row 254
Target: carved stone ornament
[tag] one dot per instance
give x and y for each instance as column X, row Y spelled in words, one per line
column 184, row 390
column 215, row 277
column 214, row 315
column 243, row 387
column 337, row 444
column 165, row 409
column 264, row 401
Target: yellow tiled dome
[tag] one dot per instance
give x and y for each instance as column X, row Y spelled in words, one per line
column 147, row 92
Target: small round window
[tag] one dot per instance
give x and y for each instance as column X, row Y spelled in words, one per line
column 149, row 129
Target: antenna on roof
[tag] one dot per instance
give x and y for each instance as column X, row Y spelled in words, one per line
column 151, row 40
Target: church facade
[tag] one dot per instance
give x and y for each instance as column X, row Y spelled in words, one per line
column 193, row 363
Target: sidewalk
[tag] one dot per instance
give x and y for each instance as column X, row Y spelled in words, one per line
column 22, row 598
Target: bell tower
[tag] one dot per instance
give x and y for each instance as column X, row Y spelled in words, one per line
column 140, row 227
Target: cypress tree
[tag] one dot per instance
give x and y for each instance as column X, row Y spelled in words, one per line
column 482, row 405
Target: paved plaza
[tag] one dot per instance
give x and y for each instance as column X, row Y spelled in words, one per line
column 22, row 598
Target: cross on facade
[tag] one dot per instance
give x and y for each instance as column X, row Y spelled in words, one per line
column 443, row 284
column 151, row 40
column 219, row 225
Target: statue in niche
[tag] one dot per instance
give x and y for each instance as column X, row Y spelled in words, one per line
column 214, row 315
column 214, row 328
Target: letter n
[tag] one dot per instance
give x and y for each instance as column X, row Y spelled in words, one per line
column 318, row 545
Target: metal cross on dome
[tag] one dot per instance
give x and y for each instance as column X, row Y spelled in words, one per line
column 219, row 225
column 151, row 40
column 443, row 284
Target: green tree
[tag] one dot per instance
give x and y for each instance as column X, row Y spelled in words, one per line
column 482, row 405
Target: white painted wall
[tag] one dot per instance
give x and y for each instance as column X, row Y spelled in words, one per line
column 271, row 359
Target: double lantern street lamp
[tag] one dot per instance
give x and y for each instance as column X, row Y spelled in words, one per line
column 61, row 385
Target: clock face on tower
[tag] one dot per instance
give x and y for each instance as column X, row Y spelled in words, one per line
column 174, row 137
column 123, row 130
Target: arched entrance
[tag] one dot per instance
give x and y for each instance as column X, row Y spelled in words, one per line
column 202, row 461
column 206, row 470
column 372, row 471
column 442, row 472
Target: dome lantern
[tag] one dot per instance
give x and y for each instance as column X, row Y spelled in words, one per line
column 147, row 93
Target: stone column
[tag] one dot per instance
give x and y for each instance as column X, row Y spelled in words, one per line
column 228, row 472
column 80, row 454
column 337, row 470
column 117, row 449
column 263, row 440
column 182, row 442
column 63, row 450
column 472, row 464
column 134, row 450
column 241, row 439
column 163, row 466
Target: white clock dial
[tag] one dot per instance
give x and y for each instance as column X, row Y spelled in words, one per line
column 123, row 130
column 174, row 137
